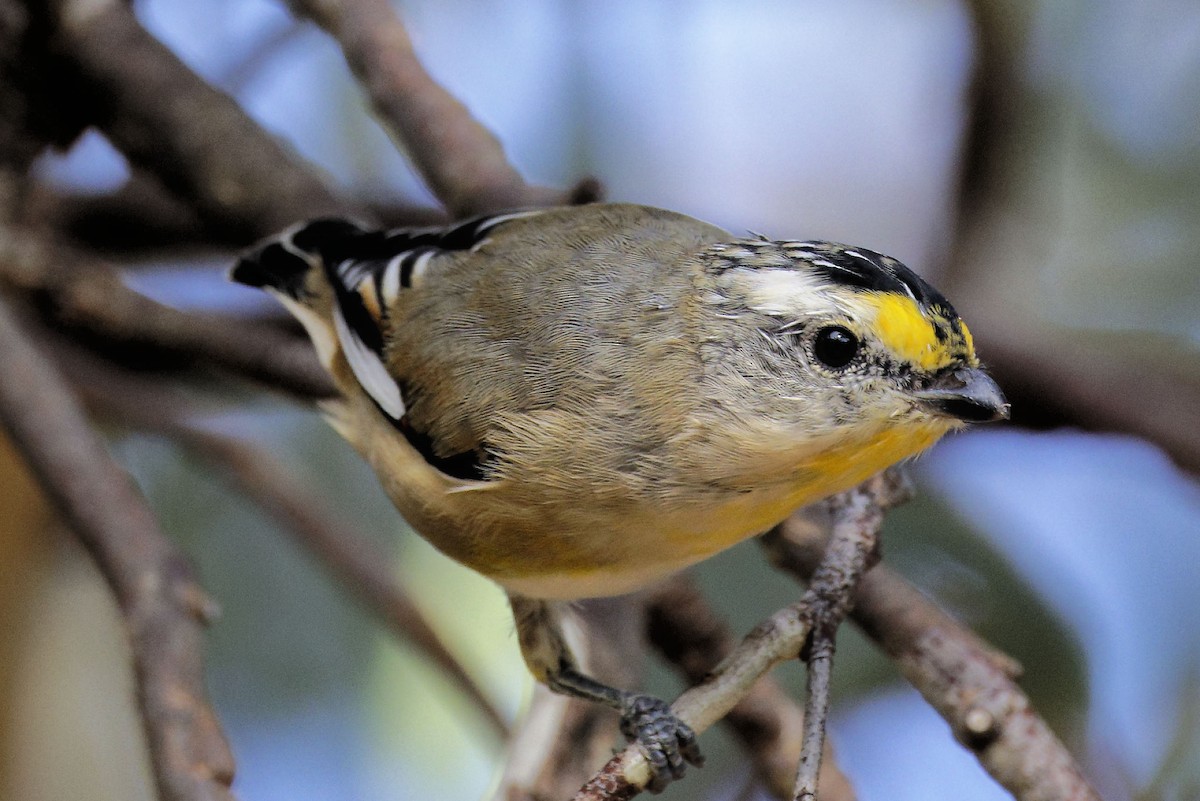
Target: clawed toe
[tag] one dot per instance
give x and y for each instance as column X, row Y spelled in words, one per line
column 668, row 743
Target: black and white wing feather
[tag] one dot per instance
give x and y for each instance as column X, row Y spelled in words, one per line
column 368, row 270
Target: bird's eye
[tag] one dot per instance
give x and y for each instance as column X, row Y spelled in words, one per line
column 835, row 346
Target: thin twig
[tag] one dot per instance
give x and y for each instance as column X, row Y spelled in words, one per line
column 358, row 564
column 857, row 518
column 816, row 715
column 165, row 610
column 688, row 633
column 968, row 682
column 778, row 638
column 462, row 162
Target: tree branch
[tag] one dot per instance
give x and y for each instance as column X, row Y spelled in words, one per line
column 969, row 683
column 856, row 515
column 361, row 567
column 169, row 121
column 142, row 219
column 687, row 632
column 85, row 293
column 778, row 638
column 163, row 606
column 461, row 162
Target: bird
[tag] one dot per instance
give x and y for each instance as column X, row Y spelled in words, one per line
column 579, row 401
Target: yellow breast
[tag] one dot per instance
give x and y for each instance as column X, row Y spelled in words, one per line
column 607, row 555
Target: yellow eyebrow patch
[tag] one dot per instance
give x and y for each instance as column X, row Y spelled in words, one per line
column 905, row 331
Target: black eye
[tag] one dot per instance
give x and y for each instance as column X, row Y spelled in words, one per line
column 835, row 346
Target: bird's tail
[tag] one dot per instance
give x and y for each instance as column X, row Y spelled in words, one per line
column 330, row 274
column 285, row 262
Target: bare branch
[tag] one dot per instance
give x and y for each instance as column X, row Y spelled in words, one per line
column 769, row 725
column 1140, row 384
column 83, row 292
column 362, row 568
column 163, row 606
column 137, row 219
column 816, row 716
column 967, row 682
column 857, row 517
column 461, row 161
column 142, row 219
column 169, row 121
column 778, row 638
column 1145, row 385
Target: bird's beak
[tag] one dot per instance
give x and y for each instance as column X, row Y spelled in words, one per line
column 968, row 394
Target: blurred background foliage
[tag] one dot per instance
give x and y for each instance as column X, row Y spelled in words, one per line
column 1074, row 552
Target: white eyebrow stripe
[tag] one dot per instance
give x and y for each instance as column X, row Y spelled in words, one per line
column 774, row 291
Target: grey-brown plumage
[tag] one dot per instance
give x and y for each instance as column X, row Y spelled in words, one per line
column 576, row 402
column 578, row 326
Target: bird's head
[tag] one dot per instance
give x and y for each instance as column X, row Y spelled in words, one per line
column 847, row 340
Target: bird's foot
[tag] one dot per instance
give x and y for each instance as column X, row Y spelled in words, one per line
column 668, row 743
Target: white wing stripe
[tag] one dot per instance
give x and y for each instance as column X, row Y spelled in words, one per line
column 491, row 222
column 368, row 368
column 391, row 279
column 419, row 265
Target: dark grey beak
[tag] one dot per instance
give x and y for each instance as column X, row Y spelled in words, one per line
column 968, row 394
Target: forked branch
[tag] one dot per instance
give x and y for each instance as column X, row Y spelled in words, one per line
column 968, row 682
column 780, row 637
column 461, row 161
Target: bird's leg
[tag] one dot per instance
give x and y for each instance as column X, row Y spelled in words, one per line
column 669, row 743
